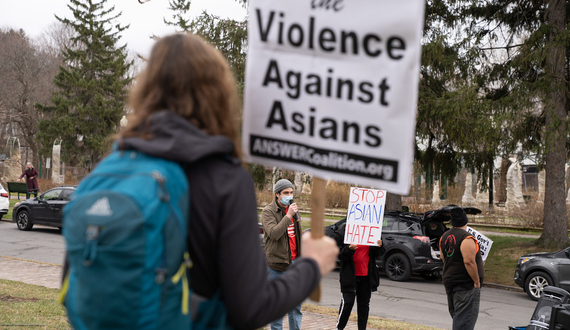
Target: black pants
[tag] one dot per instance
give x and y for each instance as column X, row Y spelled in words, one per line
column 32, row 191
column 362, row 295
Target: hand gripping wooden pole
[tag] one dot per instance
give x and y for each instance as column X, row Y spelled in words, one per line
column 317, row 220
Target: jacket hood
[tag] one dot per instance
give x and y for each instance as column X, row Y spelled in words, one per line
column 176, row 139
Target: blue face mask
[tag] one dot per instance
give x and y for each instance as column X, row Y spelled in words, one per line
column 285, row 200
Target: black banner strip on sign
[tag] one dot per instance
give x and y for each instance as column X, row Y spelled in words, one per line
column 330, row 160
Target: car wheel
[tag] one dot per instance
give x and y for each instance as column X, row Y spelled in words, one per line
column 24, row 222
column 398, row 267
column 432, row 276
column 535, row 283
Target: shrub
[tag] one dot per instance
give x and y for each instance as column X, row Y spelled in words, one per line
column 337, row 194
column 264, row 197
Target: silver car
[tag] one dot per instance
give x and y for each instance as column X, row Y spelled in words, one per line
column 537, row 270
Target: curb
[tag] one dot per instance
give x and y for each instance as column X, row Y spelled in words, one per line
column 503, row 287
column 34, row 261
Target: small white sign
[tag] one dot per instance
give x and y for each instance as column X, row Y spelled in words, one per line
column 48, row 162
column 331, row 88
column 365, row 216
column 484, row 242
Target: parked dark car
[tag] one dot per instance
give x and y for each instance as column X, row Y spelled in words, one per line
column 537, row 270
column 411, row 242
column 46, row 209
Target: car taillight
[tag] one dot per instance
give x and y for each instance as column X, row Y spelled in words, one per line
column 422, row 238
column 261, row 230
column 4, row 195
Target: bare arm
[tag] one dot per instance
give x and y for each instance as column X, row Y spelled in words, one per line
column 440, row 251
column 469, row 250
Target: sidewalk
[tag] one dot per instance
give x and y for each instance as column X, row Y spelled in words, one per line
column 30, row 272
column 49, row 275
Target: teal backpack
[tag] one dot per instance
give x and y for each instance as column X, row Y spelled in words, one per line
column 125, row 233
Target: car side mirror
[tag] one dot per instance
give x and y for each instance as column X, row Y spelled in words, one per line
column 568, row 253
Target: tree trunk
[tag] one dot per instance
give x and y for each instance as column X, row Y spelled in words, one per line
column 393, row 202
column 502, row 189
column 555, row 226
column 491, row 178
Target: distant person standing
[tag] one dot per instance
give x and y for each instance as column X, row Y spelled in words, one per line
column 282, row 241
column 463, row 271
column 31, row 180
column 359, row 277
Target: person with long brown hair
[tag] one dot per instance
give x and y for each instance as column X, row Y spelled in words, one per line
column 185, row 108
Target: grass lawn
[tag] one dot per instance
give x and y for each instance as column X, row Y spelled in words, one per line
column 26, row 306
column 13, row 202
column 306, row 224
column 502, row 260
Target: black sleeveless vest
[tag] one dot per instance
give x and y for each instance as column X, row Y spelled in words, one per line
column 455, row 275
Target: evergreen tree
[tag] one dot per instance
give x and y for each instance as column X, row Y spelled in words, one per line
column 532, row 40
column 229, row 37
column 92, row 86
column 459, row 123
column 180, row 9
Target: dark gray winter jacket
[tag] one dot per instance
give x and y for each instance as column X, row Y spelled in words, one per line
column 223, row 231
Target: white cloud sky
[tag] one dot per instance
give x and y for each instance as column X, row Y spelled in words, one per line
column 34, row 16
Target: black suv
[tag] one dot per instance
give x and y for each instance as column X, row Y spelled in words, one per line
column 537, row 270
column 46, row 209
column 411, row 242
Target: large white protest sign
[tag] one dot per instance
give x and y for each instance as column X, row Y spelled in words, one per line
column 365, row 216
column 484, row 242
column 331, row 88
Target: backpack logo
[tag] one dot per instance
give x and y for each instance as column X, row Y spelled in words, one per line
column 100, row 207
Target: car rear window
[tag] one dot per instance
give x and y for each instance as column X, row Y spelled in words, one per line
column 408, row 227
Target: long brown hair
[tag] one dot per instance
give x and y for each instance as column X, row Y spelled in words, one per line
column 191, row 78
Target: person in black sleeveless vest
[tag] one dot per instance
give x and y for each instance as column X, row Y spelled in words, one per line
column 462, row 271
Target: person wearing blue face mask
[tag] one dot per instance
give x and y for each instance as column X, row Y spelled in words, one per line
column 282, row 237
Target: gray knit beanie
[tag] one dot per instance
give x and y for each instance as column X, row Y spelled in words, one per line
column 282, row 184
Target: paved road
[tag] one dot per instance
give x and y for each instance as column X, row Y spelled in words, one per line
column 423, row 302
column 417, row 301
column 41, row 244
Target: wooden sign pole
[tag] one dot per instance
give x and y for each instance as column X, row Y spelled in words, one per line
column 317, row 220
